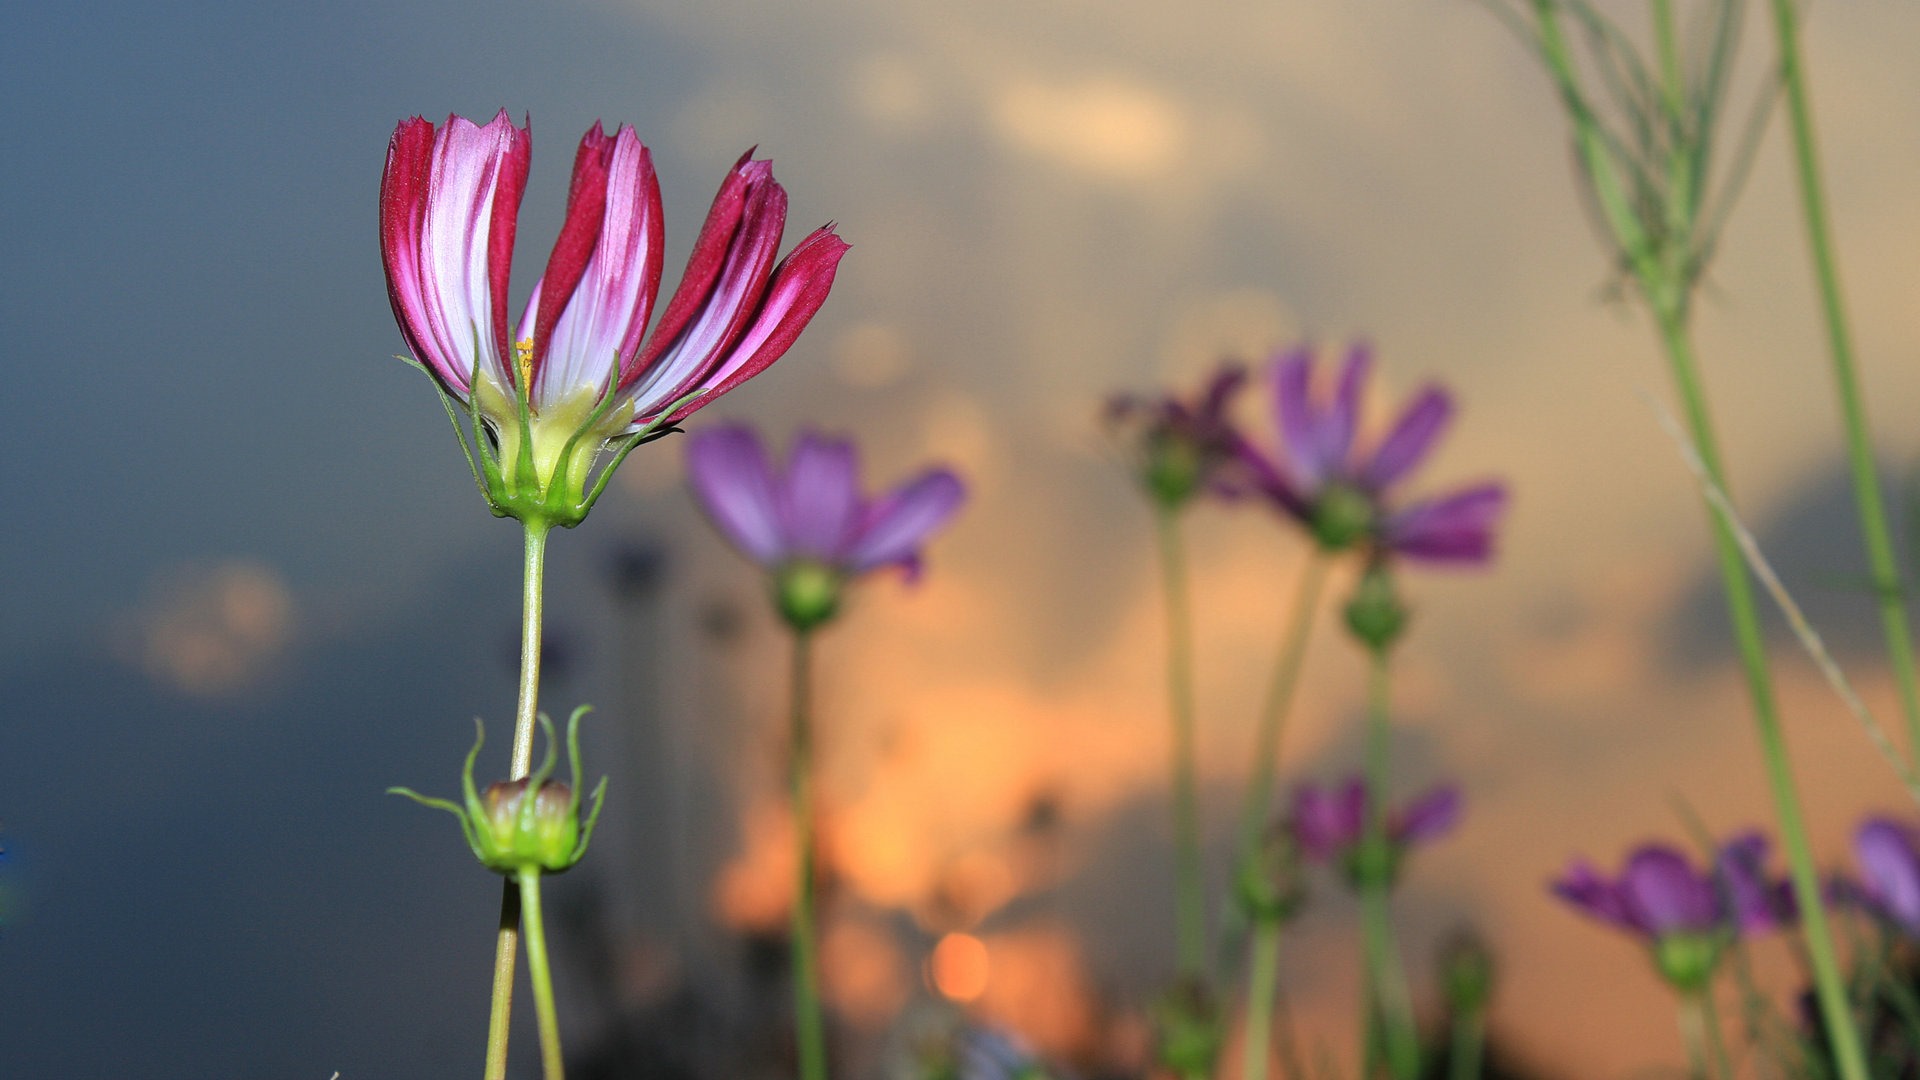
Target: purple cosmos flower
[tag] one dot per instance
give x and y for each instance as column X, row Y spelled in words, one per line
column 1660, row 893
column 1342, row 492
column 810, row 524
column 1179, row 446
column 1687, row 915
column 1888, row 854
column 575, row 373
column 1330, row 823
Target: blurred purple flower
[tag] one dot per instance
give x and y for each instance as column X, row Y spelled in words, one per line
column 1342, row 492
column 810, row 524
column 1179, row 446
column 1888, row 854
column 1659, row 893
column 1329, row 823
column 1686, row 916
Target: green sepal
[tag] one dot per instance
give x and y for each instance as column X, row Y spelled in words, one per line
column 466, row 827
column 806, row 593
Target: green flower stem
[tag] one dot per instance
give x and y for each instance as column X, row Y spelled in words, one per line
column 809, row 1030
column 1466, row 1051
column 506, row 947
column 1716, row 1039
column 1387, row 981
column 552, row 1064
column 1279, row 702
column 1874, row 530
column 1262, row 980
column 1706, row 1046
column 1189, row 888
column 1666, row 288
column 1828, row 987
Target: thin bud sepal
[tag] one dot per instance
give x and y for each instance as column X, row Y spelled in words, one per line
column 1375, row 615
column 525, row 824
column 515, row 488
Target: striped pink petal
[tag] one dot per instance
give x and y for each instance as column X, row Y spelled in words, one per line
column 800, row 287
column 589, row 310
column 448, row 213
column 714, row 301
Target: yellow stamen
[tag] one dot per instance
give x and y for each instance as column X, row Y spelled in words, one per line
column 523, row 361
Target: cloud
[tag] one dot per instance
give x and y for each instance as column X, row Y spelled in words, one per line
column 210, row 630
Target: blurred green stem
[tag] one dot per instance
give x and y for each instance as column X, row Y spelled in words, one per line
column 1262, row 979
column 809, row 1029
column 1829, row 988
column 1467, row 1049
column 1665, row 279
column 1716, row 1039
column 1693, row 1030
column 1392, row 1003
column 1255, row 811
column 1189, row 889
column 1874, row 530
column 552, row 1064
column 507, row 945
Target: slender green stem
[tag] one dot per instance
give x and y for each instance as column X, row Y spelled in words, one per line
column 809, row 1030
column 507, row 945
column 1666, row 290
column 1874, row 530
column 1716, row 1038
column 1262, row 979
column 532, row 596
column 1693, row 1030
column 1667, row 44
column 1279, row 702
column 1466, row 1052
column 1190, row 912
column 1393, row 1004
column 1829, row 989
column 552, row 1063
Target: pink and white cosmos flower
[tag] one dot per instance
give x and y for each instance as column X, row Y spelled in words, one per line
column 578, row 370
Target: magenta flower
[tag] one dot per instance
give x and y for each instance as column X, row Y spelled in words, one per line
column 1330, row 824
column 1686, row 915
column 576, row 376
column 809, row 524
column 1177, row 447
column 1342, row 492
column 1888, row 854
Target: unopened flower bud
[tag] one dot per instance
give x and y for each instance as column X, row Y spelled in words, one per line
column 514, row 834
column 1271, row 882
column 1189, row 1027
column 1375, row 614
column 1466, row 971
column 807, row 593
column 529, row 824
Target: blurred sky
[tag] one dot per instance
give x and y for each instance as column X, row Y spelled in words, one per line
column 249, row 584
